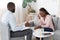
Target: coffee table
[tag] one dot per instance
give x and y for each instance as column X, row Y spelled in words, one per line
column 40, row 35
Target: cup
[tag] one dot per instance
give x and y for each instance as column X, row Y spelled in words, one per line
column 42, row 31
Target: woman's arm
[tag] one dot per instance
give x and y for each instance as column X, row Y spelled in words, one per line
column 47, row 21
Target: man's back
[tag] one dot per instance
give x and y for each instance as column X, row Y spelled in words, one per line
column 6, row 17
column 9, row 19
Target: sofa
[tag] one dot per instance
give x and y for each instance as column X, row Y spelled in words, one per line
column 57, row 28
column 5, row 33
column 56, row 35
column 56, row 21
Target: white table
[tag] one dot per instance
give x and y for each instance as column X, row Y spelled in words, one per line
column 40, row 35
column 36, row 34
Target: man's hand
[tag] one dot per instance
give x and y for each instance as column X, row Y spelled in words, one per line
column 27, row 24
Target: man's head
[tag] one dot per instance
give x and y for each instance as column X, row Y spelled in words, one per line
column 11, row 7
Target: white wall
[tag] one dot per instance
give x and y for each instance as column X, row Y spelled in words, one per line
column 18, row 13
column 50, row 5
column 58, row 9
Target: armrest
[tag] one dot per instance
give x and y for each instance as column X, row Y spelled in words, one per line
column 4, row 31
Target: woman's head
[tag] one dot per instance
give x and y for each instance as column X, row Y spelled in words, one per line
column 43, row 12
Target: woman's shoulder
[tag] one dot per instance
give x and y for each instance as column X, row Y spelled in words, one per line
column 49, row 16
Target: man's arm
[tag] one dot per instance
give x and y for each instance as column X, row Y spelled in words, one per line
column 31, row 22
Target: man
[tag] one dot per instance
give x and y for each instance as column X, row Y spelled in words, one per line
column 10, row 20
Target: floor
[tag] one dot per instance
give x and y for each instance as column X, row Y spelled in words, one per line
column 22, row 38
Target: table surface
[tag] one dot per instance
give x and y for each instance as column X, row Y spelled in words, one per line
column 36, row 34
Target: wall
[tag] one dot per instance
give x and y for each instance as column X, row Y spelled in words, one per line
column 18, row 13
column 50, row 5
column 58, row 14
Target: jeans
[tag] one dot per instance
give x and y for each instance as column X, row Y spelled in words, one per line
column 27, row 32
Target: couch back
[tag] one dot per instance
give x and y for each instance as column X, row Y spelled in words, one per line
column 58, row 24
column 4, row 31
column 56, row 21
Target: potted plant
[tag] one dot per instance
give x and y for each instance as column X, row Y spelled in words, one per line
column 32, row 12
column 27, row 1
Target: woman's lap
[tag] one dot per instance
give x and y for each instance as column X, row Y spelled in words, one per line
column 48, row 29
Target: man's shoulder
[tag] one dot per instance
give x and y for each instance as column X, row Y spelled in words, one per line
column 9, row 14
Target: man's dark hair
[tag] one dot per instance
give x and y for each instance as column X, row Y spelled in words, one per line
column 44, row 10
column 10, row 4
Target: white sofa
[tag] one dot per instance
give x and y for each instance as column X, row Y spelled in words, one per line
column 56, row 35
column 57, row 28
column 5, row 33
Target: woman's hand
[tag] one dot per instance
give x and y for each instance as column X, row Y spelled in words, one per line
column 27, row 24
column 37, row 27
column 38, row 16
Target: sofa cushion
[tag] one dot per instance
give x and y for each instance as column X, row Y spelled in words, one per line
column 57, row 35
column 58, row 24
column 57, row 32
column 55, row 20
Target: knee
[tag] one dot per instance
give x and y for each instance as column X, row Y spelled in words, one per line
column 30, row 30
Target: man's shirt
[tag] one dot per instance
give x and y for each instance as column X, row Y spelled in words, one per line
column 9, row 19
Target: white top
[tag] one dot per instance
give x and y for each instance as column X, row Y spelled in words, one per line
column 9, row 19
column 44, row 23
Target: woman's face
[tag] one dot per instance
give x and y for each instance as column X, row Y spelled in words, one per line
column 42, row 13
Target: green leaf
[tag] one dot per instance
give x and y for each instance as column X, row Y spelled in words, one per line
column 27, row 1
column 34, row 0
column 24, row 4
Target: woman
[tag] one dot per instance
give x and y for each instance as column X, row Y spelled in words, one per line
column 45, row 21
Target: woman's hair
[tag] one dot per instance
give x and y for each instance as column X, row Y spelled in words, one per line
column 44, row 10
